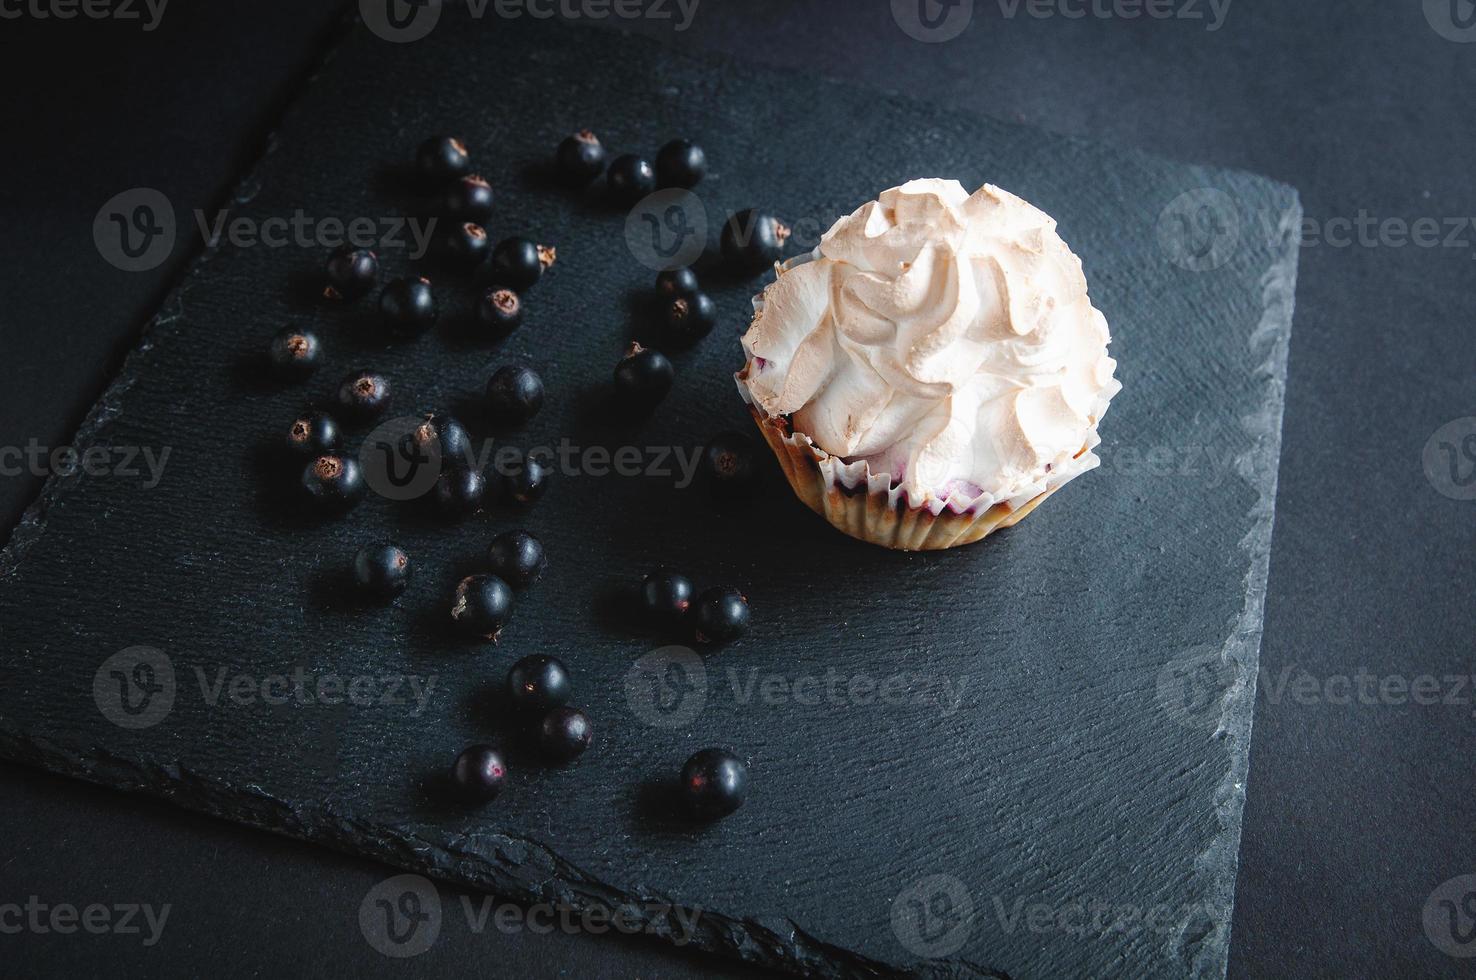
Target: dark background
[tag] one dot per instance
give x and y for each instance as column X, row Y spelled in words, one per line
column 1355, row 812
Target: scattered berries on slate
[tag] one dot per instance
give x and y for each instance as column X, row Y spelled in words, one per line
column 334, row 482
column 581, row 158
column 312, row 435
column 754, row 241
column 459, row 492
column 364, row 395
column 720, row 615
column 631, row 178
column 665, row 597
column 538, row 684
column 501, row 311
column 690, row 318
column 517, row 558
column 470, row 199
column 442, row 439
column 681, row 163
column 479, row 773
column 528, row 481
column 382, row 572
column 643, row 378
column 408, row 307
column 295, row 354
column 730, row 464
column 352, row 272
column 442, row 158
column 514, row 395
column 465, row 247
column 482, row 606
column 714, row 783
column 677, row 282
column 519, row 262
column 564, row 734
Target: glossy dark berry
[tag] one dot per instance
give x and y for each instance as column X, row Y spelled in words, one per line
column 714, row 783
column 730, row 464
column 514, row 395
column 681, row 163
column 351, row 272
column 312, row 435
column 580, row 159
column 465, row 247
column 517, row 558
column 643, row 378
column 720, row 615
column 519, row 263
column 459, row 492
column 479, row 773
column 754, row 241
column 482, row 606
column 364, row 395
column 442, row 158
column 526, row 482
column 441, row 439
column 690, row 318
column 630, row 179
column 334, row 482
column 665, row 597
column 295, row 354
column 677, row 282
column 538, row 684
column 470, row 199
column 500, row 310
column 408, row 307
column 382, row 572
column 564, row 734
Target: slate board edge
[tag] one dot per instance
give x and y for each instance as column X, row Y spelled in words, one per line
column 753, row 940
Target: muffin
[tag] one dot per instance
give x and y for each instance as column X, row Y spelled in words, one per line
column 933, row 370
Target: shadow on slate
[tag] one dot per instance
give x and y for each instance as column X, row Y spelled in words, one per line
column 1052, row 785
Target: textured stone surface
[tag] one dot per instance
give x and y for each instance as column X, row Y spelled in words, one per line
column 1072, row 772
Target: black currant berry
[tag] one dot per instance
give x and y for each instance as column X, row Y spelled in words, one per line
column 312, row 435
column 526, row 482
column 382, row 572
column 459, row 492
column 479, row 773
column 690, row 318
column 295, row 354
column 681, row 163
column 677, row 282
column 564, row 734
column 630, row 179
column 482, row 606
column 408, row 307
column 729, row 464
column 465, row 247
column 364, row 395
column 538, row 684
column 519, row 263
column 442, row 158
column 754, row 241
column 720, row 615
column 517, row 558
column 351, row 272
column 714, row 783
column 580, row 159
column 500, row 310
column 514, row 395
column 334, row 482
column 665, row 597
column 470, row 199
column 442, row 438
column 643, row 378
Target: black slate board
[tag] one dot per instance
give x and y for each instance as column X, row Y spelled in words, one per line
column 1073, row 772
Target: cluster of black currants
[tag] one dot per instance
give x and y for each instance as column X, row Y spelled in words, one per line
column 582, row 158
column 668, row 601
